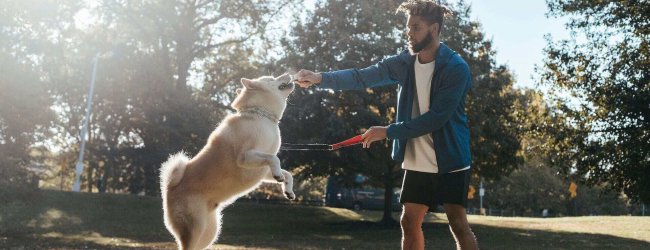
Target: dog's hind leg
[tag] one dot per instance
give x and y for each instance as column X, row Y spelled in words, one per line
column 287, row 184
column 212, row 228
column 190, row 225
column 254, row 159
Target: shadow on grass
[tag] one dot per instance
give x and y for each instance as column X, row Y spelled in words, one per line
column 68, row 216
column 372, row 235
column 61, row 220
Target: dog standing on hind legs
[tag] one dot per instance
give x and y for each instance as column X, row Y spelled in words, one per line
column 239, row 155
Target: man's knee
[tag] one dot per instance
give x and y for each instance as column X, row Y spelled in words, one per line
column 459, row 226
column 411, row 223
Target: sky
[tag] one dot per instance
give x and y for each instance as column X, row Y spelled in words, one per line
column 517, row 29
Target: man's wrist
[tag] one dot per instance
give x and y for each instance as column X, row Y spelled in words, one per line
column 391, row 131
column 324, row 78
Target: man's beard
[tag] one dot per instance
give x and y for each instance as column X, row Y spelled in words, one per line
column 416, row 48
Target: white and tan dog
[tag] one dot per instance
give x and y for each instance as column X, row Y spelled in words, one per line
column 239, row 155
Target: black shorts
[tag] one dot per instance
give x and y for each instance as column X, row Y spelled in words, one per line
column 433, row 189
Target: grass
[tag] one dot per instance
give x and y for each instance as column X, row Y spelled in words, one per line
column 63, row 220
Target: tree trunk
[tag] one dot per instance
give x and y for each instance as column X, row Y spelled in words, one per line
column 151, row 183
column 104, row 178
column 89, row 146
column 387, row 219
column 89, row 175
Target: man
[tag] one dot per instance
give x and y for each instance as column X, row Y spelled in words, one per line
column 430, row 135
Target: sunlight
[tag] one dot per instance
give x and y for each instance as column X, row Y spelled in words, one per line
column 53, row 217
column 524, row 234
column 94, row 237
column 345, row 213
column 84, row 19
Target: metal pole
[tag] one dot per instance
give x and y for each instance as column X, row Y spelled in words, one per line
column 481, row 192
column 80, row 166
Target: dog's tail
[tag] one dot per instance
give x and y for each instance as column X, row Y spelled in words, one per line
column 172, row 171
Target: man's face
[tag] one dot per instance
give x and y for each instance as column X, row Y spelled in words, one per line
column 420, row 34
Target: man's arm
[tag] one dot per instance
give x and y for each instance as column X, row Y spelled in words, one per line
column 445, row 102
column 388, row 71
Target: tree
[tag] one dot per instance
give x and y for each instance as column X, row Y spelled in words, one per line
column 22, row 123
column 144, row 108
column 599, row 79
column 175, row 116
column 145, row 104
column 24, row 116
column 534, row 187
column 495, row 129
column 528, row 190
column 342, row 35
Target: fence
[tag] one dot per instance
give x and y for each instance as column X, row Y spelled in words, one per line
column 313, row 203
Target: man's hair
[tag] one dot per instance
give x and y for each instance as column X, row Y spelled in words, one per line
column 431, row 11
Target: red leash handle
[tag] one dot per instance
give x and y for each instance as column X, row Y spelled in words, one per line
column 349, row 142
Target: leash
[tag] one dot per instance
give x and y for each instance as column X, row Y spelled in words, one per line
column 321, row 147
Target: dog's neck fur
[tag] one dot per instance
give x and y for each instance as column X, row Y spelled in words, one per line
column 258, row 111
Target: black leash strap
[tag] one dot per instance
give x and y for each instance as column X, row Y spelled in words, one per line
column 322, row 147
column 305, row 147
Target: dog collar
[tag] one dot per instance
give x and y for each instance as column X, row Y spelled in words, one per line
column 260, row 112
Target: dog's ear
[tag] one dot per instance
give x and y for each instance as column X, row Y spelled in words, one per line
column 248, row 83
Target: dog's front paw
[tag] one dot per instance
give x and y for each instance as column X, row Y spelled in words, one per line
column 290, row 195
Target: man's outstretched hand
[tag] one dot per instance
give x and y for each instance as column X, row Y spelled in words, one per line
column 306, row 78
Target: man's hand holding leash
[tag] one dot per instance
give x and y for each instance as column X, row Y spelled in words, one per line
column 373, row 134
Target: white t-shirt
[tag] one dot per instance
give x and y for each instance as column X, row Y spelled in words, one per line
column 420, row 154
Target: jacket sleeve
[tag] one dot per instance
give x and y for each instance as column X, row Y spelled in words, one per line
column 444, row 102
column 388, row 71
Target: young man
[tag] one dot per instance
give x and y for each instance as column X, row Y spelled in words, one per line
column 430, row 135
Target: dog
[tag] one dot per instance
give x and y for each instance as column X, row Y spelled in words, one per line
column 239, row 155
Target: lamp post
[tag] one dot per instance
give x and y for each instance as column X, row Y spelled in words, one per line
column 481, row 193
column 84, row 130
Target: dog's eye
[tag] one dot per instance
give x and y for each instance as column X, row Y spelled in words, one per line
column 284, row 85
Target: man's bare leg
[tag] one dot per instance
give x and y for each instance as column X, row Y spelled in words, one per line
column 411, row 222
column 459, row 227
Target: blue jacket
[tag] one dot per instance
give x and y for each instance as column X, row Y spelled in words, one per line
column 446, row 118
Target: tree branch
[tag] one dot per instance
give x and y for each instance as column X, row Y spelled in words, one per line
column 259, row 30
column 200, row 51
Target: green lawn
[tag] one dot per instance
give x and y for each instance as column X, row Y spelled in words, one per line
column 63, row 220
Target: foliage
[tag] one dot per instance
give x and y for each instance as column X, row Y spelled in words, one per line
column 599, row 82
column 534, row 187
column 341, row 35
column 363, row 35
column 530, row 188
column 148, row 100
column 24, row 99
column 495, row 129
